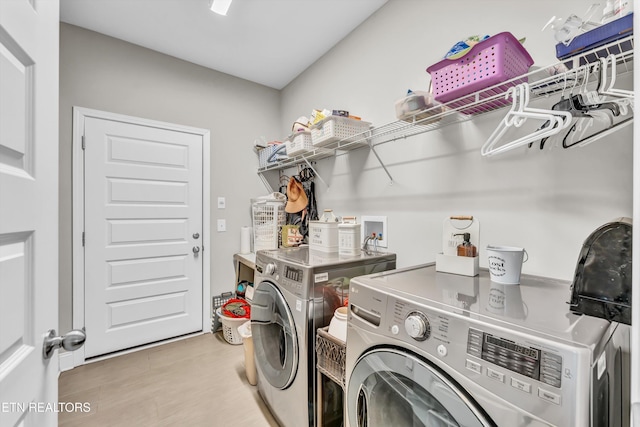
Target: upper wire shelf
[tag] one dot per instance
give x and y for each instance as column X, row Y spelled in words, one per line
column 543, row 82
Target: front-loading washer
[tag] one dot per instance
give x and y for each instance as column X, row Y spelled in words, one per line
column 426, row 348
column 297, row 292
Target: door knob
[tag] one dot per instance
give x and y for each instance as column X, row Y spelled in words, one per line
column 71, row 341
column 196, row 249
column 196, row 235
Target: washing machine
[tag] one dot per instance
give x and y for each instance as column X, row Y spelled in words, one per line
column 426, row 348
column 297, row 292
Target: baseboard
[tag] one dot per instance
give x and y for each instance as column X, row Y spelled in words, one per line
column 66, row 361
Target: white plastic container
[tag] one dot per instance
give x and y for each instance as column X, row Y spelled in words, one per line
column 249, row 358
column 349, row 237
column 299, row 143
column 323, row 234
column 338, row 325
column 417, row 106
column 337, row 128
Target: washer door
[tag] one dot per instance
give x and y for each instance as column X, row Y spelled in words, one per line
column 274, row 336
column 389, row 387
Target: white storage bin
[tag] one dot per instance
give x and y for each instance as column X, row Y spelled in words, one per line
column 338, row 128
column 299, row 143
column 323, row 236
column 462, row 265
column 349, row 239
column 418, row 106
column 272, row 154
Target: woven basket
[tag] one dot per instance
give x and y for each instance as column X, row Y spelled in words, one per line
column 331, row 354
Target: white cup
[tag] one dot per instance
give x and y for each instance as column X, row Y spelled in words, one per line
column 505, row 263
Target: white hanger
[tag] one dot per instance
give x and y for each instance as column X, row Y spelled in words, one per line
column 626, row 97
column 558, row 120
column 609, row 89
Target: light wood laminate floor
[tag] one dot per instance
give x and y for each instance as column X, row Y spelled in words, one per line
column 198, row 381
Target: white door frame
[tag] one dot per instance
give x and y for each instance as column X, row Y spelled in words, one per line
column 80, row 114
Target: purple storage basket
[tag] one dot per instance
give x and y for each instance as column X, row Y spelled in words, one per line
column 488, row 63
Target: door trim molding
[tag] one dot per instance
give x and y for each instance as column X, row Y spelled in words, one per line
column 80, row 114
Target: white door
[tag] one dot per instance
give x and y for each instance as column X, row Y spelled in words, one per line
column 143, row 234
column 28, row 210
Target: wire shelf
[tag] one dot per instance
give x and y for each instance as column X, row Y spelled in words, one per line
column 580, row 69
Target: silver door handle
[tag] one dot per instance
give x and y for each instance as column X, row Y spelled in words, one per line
column 71, row 341
column 196, row 235
column 196, row 249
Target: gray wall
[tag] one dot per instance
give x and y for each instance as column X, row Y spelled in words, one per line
column 546, row 201
column 107, row 74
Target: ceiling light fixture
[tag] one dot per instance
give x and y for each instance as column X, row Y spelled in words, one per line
column 220, row 6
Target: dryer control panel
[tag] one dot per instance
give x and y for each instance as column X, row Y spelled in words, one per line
column 543, row 363
column 531, row 362
column 527, row 370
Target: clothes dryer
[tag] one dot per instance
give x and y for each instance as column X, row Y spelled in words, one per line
column 297, row 292
column 435, row 349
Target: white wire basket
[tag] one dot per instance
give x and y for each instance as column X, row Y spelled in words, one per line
column 268, row 216
column 338, row 128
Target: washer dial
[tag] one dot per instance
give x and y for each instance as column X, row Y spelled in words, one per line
column 417, row 326
column 270, row 268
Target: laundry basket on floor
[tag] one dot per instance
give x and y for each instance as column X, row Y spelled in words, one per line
column 232, row 314
column 230, row 327
column 217, row 302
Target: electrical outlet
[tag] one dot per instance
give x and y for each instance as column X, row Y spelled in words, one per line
column 222, row 203
column 222, row 225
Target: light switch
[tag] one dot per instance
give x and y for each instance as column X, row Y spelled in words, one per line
column 222, row 203
column 222, row 225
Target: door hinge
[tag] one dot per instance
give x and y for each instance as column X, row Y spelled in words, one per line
column 83, row 238
column 83, row 142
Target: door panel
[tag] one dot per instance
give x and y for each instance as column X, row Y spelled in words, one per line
column 143, row 207
column 28, row 208
column 274, row 335
column 392, row 387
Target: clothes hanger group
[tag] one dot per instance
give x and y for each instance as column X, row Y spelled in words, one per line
column 585, row 106
column 578, row 111
column 553, row 121
column 619, row 103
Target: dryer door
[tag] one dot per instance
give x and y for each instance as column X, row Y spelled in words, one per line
column 274, row 336
column 389, row 387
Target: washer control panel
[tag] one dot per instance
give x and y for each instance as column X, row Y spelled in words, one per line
column 288, row 277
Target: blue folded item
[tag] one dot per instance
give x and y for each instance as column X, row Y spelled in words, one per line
column 604, row 34
column 461, row 48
